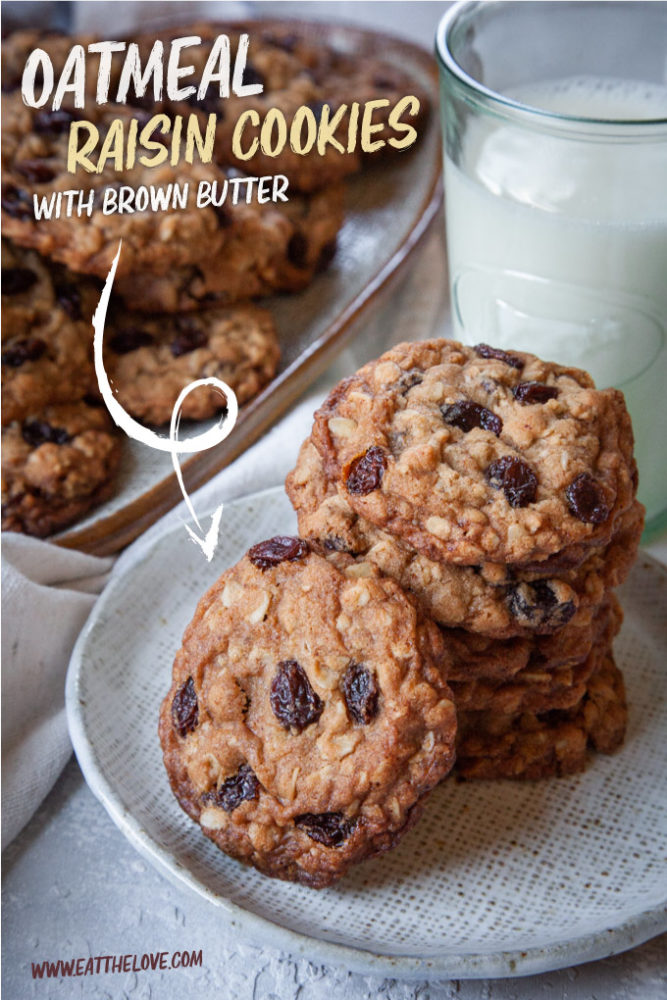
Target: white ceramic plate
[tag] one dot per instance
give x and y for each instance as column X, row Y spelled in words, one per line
column 498, row 878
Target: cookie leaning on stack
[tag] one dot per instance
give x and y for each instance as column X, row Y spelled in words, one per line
column 307, row 719
column 500, row 490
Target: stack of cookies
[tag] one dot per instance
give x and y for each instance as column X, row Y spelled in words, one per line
column 499, row 490
column 182, row 306
column 465, row 514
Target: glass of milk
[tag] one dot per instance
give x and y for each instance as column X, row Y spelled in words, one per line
column 555, row 122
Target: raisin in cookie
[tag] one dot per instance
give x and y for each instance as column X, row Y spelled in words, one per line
column 47, row 336
column 307, row 719
column 551, row 744
column 475, row 454
column 56, row 464
column 489, row 599
column 150, row 359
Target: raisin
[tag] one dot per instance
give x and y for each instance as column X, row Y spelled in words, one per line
column 330, row 829
column 485, row 351
column 515, row 478
column 145, row 101
column 185, row 708
column 35, row 171
column 364, row 473
column 142, row 117
column 317, row 107
column 209, row 104
column 586, row 499
column 239, row 788
column 273, row 551
column 465, row 415
column 223, row 215
column 409, row 380
column 537, row 605
column 36, row 432
column 17, row 279
column 29, row 349
column 52, row 122
column 297, row 250
column 69, row 298
column 90, row 399
column 294, row 703
column 251, row 76
column 188, row 339
column 361, row 693
column 534, row 392
column 130, row 339
column 16, row 203
column 383, row 82
column 327, row 254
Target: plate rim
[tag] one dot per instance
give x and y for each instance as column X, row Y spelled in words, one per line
column 511, row 963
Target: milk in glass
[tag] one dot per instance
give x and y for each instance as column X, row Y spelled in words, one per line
column 558, row 246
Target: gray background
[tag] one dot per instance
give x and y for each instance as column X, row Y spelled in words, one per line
column 73, row 886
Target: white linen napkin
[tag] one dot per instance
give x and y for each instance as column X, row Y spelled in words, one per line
column 48, row 592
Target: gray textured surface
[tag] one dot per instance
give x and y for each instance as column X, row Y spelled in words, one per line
column 73, row 887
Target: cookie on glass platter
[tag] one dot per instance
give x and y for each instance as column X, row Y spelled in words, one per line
column 47, row 339
column 301, row 76
column 307, row 718
column 57, row 463
column 151, row 358
column 270, row 248
column 172, row 259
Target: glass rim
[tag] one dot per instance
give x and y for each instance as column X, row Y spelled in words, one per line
column 528, row 112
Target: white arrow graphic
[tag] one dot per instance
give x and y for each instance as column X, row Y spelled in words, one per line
column 200, row 442
column 209, row 539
